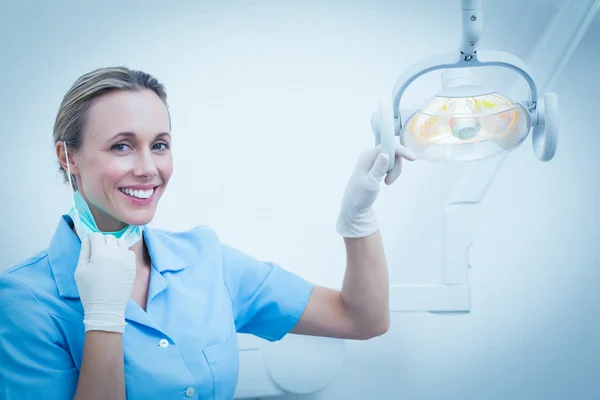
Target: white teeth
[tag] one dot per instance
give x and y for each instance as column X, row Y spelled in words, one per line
column 140, row 194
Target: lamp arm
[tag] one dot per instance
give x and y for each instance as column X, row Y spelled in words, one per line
column 491, row 58
column 472, row 27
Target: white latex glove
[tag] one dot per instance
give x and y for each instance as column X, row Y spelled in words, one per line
column 357, row 217
column 104, row 277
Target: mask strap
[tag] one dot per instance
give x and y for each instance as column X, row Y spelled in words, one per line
column 69, row 173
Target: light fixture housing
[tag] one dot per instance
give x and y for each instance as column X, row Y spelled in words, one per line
column 466, row 122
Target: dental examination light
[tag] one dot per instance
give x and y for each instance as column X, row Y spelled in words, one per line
column 467, row 122
column 300, row 364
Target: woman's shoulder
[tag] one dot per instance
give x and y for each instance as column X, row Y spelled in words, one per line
column 32, row 267
column 31, row 275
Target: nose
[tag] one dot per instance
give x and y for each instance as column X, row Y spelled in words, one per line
column 144, row 165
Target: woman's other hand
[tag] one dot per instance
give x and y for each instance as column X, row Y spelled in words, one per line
column 104, row 276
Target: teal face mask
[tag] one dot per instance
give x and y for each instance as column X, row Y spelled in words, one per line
column 84, row 220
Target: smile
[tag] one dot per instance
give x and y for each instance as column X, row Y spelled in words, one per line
column 138, row 194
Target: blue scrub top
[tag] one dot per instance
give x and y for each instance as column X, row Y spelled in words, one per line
column 183, row 346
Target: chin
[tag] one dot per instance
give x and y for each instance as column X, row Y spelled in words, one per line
column 141, row 219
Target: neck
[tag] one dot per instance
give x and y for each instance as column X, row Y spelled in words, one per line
column 105, row 222
column 142, row 258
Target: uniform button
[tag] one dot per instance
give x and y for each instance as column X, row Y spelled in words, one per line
column 190, row 392
column 163, row 343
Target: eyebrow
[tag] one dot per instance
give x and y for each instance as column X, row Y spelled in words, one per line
column 131, row 135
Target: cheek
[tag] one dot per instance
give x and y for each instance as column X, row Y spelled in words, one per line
column 101, row 172
column 114, row 171
column 165, row 168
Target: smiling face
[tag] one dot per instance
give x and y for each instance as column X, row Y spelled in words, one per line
column 125, row 161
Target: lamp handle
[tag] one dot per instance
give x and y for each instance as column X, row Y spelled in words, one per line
column 544, row 135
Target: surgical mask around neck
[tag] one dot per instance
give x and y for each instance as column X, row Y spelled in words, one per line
column 84, row 219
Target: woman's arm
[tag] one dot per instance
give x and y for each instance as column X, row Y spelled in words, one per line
column 361, row 310
column 102, row 374
column 365, row 289
column 105, row 274
column 34, row 359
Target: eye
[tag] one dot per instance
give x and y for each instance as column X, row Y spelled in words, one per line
column 119, row 146
column 165, row 146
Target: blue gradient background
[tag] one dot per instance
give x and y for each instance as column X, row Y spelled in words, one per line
column 271, row 105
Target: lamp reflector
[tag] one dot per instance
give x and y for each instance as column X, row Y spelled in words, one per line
column 466, row 128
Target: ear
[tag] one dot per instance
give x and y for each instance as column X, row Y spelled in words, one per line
column 62, row 158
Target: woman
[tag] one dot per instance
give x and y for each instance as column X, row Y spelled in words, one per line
column 113, row 308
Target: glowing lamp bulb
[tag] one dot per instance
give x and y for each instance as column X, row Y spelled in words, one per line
column 463, row 128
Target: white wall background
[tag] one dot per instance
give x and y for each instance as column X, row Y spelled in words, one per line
column 271, row 106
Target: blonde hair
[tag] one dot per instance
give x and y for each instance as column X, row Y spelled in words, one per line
column 71, row 117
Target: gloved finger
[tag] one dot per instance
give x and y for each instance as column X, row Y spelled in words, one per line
column 122, row 243
column 131, row 256
column 379, row 167
column 405, row 152
column 96, row 243
column 395, row 171
column 111, row 241
column 86, row 250
column 367, row 158
column 400, row 153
